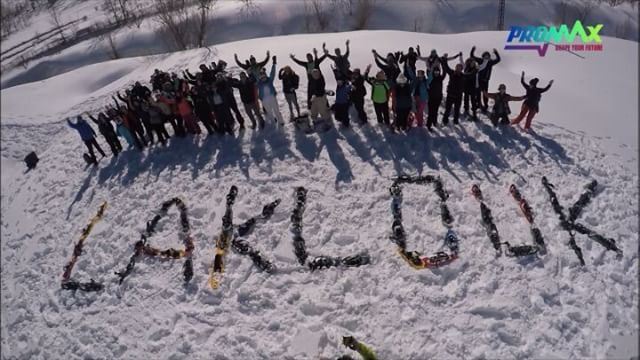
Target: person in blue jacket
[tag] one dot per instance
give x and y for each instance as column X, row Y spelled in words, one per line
column 420, row 91
column 343, row 98
column 87, row 135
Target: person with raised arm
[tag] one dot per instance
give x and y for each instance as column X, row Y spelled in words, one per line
column 341, row 61
column 267, row 93
column 290, row 82
column 531, row 104
column 454, row 89
column 501, row 108
column 485, row 75
column 252, row 66
column 313, row 62
column 380, row 93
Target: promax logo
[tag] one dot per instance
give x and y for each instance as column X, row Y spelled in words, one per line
column 539, row 37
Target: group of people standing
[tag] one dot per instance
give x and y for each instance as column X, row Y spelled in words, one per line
column 400, row 86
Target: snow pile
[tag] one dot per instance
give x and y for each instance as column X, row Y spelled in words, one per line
column 477, row 307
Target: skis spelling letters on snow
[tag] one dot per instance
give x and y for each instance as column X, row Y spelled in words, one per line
column 231, row 234
column 318, row 262
column 67, row 283
column 570, row 224
column 398, row 235
column 142, row 246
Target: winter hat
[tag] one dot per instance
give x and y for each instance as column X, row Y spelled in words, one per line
column 401, row 79
column 534, row 81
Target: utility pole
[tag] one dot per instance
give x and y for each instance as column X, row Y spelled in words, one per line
column 501, row 15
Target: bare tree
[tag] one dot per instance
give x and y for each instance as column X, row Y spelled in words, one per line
column 112, row 46
column 363, row 11
column 248, row 8
column 55, row 17
column 584, row 9
column 317, row 11
column 204, row 6
column 185, row 26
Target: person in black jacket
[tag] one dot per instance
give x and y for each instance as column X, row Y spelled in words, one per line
column 140, row 91
column 224, row 86
column 454, row 89
column 106, row 129
column 313, row 62
column 341, row 61
column 202, row 109
column 252, row 66
column 530, row 106
column 435, row 95
column 359, row 92
column 410, row 58
column 290, row 81
column 247, row 87
column 485, row 75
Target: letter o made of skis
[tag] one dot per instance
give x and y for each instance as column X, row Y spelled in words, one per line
column 398, row 235
column 143, row 247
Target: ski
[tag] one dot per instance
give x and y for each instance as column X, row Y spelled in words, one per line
column 299, row 246
column 142, row 246
column 69, row 284
column 242, row 247
column 223, row 240
column 570, row 225
column 526, row 210
column 398, row 236
column 487, row 219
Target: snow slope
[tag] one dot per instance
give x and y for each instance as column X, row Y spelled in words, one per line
column 477, row 307
column 230, row 21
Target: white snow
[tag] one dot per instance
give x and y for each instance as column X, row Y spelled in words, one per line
column 477, row 307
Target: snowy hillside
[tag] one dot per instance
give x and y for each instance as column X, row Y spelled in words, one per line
column 232, row 21
column 478, row 307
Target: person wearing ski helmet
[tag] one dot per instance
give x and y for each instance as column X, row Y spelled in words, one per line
column 531, row 104
column 88, row 136
column 501, row 110
column 485, row 74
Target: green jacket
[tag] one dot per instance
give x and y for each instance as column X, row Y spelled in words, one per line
column 365, row 352
column 379, row 91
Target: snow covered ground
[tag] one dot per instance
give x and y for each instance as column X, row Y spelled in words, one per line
column 477, row 307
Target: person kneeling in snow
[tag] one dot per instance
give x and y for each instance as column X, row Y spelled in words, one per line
column 530, row 107
column 501, row 108
column 267, row 93
column 87, row 135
